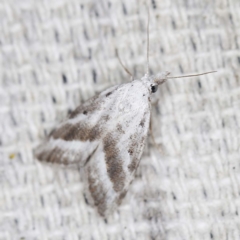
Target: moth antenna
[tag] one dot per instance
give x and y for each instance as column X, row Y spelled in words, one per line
column 192, row 75
column 148, row 43
column 123, row 65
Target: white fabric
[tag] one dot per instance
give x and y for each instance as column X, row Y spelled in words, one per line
column 56, row 54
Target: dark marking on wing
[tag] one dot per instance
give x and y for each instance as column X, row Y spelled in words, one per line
column 89, row 157
column 142, row 122
column 130, row 151
column 120, row 128
column 85, row 108
column 79, row 131
column 55, row 155
column 114, row 162
column 135, row 147
column 97, row 191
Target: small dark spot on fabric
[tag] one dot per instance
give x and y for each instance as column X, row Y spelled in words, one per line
column 193, row 45
column 82, row 6
column 223, row 123
column 124, row 9
column 96, row 13
column 89, row 53
column 177, row 128
column 154, row 4
column 45, row 132
column 236, row 213
column 42, row 200
column 85, row 112
column 238, row 58
column 64, row 78
column 109, row 4
column 211, row 235
column 204, row 193
column 199, row 84
column 173, row 24
column 108, row 94
column 180, row 67
column 234, row 167
column 223, row 213
column 94, row 74
column 143, row 95
column 14, row 120
column 149, row 99
column 56, row 36
column 53, row 99
column 113, row 31
column 85, row 34
column 230, row 17
column 161, row 50
column 174, row 196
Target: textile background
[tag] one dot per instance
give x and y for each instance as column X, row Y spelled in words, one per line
column 56, row 54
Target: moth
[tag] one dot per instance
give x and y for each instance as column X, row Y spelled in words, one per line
column 106, row 136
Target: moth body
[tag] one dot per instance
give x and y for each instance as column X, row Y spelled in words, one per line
column 105, row 135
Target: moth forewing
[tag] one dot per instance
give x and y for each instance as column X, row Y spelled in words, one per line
column 107, row 134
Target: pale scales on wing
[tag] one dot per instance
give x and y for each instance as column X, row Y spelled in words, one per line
column 107, row 134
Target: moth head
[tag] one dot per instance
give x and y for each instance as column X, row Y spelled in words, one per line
column 155, row 80
column 160, row 78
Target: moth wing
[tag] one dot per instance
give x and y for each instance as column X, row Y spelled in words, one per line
column 77, row 138
column 116, row 159
column 109, row 129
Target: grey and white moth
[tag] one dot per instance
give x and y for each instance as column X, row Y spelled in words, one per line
column 106, row 135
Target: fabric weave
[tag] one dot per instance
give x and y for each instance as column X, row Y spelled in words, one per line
column 56, row 54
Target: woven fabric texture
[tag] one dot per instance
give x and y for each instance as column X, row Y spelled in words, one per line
column 56, row 54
